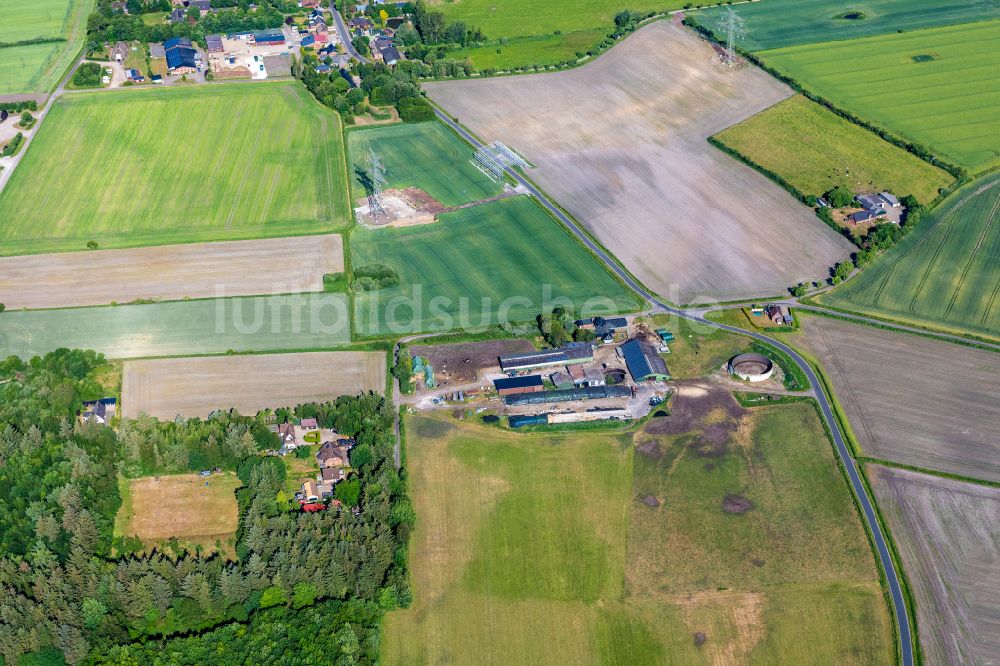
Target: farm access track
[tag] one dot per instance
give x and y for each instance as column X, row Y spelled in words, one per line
column 902, row 619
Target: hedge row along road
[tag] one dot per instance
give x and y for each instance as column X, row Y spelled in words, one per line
column 851, row 467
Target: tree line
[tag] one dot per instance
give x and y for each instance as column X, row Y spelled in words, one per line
column 321, row 579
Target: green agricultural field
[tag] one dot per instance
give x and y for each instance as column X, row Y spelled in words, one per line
column 814, row 150
column 168, row 165
column 506, row 259
column 945, row 275
column 564, row 27
column 428, row 156
column 182, row 328
column 778, row 23
column 528, row 550
column 38, row 67
column 938, row 87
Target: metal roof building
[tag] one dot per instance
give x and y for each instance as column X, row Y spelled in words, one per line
column 511, row 385
column 565, row 395
column 643, row 362
column 574, row 352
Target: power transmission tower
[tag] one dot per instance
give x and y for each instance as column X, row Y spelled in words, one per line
column 376, row 171
column 733, row 25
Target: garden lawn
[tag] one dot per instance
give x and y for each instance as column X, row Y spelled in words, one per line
column 182, row 328
column 158, row 166
column 777, row 23
column 945, row 275
column 568, row 26
column 938, row 87
column 427, row 155
column 815, row 150
column 38, row 67
column 504, row 260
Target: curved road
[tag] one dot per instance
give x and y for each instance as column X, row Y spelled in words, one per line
column 848, row 462
column 345, row 34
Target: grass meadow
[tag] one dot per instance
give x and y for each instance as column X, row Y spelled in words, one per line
column 533, row 549
column 814, row 150
column 539, row 33
column 38, row 67
column 157, row 166
column 945, row 275
column 484, row 255
column 778, row 23
column 428, row 156
column 938, row 87
column 182, row 328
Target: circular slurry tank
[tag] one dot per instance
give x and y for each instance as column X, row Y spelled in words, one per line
column 751, row 367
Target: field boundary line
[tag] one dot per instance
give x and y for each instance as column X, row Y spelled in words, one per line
column 929, row 472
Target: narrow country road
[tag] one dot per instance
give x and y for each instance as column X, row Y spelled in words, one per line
column 843, row 452
column 345, row 34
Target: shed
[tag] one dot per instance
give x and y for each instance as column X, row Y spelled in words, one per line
column 643, row 362
column 214, row 43
column 515, row 385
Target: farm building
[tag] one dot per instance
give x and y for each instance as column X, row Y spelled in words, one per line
column 602, row 326
column 515, row 385
column 866, row 216
column 214, row 43
column 270, row 37
column 779, row 314
column 562, row 380
column 134, row 75
column 568, row 395
column 877, row 201
column 307, row 40
column 181, row 56
column 643, row 362
column 309, row 424
column 574, row 352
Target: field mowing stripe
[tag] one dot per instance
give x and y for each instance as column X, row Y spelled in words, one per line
column 972, row 256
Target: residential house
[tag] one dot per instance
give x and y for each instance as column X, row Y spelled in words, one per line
column 390, row 55
column 286, row 433
column 323, row 69
column 99, row 411
column 134, row 75
column 513, row 385
column 214, row 43
column 643, row 362
column 361, row 26
column 120, row 52
column 335, row 455
column 309, row 424
column 310, row 492
column 779, row 314
column 332, row 475
column 863, row 216
column 307, row 40
column 177, row 15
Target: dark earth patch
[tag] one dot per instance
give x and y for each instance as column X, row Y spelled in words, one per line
column 649, row 500
column 853, row 16
column 700, row 638
column 736, row 504
column 432, row 428
column 687, row 411
column 924, row 57
column 651, row 449
column 460, row 362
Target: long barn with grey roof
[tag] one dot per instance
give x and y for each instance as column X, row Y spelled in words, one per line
column 574, row 352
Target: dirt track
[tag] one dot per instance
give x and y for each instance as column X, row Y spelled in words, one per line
column 910, row 399
column 948, row 535
column 194, row 387
column 170, row 272
column 621, row 143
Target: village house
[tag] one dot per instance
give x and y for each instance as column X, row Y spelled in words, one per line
column 134, row 75
column 779, row 314
column 99, row 411
column 120, row 52
column 335, row 455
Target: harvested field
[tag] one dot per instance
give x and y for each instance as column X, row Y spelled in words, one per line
column 910, row 399
column 194, row 387
column 948, row 536
column 209, row 326
column 170, row 272
column 462, row 362
column 632, row 163
column 188, row 507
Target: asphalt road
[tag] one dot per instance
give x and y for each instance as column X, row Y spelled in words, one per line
column 345, row 34
column 843, row 452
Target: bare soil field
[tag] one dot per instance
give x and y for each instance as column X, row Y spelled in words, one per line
column 188, row 507
column 462, row 362
column 910, row 399
column 622, row 144
column 948, row 536
column 171, row 272
column 194, row 387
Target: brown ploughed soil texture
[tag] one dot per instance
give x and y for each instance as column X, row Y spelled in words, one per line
column 170, row 272
column 621, row 143
column 911, row 399
column 948, row 536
